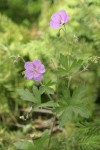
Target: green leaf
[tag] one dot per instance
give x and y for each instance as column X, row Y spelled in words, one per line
column 79, row 92
column 47, row 88
column 49, row 104
column 81, row 110
column 50, row 83
column 26, row 95
column 36, row 145
column 42, row 89
column 24, row 145
column 76, row 65
column 66, row 94
column 42, row 141
column 37, row 94
column 72, row 106
column 61, row 71
column 73, row 111
column 65, row 116
column 64, row 61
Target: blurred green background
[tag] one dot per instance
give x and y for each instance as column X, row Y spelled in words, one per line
column 25, row 31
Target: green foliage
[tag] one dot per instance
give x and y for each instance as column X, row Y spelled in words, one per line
column 68, row 66
column 36, row 145
column 72, row 106
column 85, row 136
column 21, row 11
column 26, row 95
column 25, row 145
column 69, row 62
column 88, row 136
column 47, row 88
column 34, row 97
column 7, row 28
column 11, row 36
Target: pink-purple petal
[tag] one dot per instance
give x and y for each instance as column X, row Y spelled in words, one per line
column 41, row 68
column 28, row 65
column 36, row 74
column 34, row 70
column 29, row 74
column 54, row 24
column 39, row 78
column 36, row 62
column 58, row 19
column 64, row 16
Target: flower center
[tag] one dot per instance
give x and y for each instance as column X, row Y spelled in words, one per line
column 35, row 70
column 61, row 22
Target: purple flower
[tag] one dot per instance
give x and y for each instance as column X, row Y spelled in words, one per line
column 58, row 19
column 34, row 70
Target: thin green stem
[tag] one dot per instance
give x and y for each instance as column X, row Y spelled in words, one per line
column 53, row 121
column 51, row 133
column 21, row 58
column 17, row 58
column 68, row 83
column 65, row 30
column 47, row 93
column 57, row 86
column 49, row 97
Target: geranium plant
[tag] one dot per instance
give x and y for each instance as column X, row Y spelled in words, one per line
column 68, row 105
